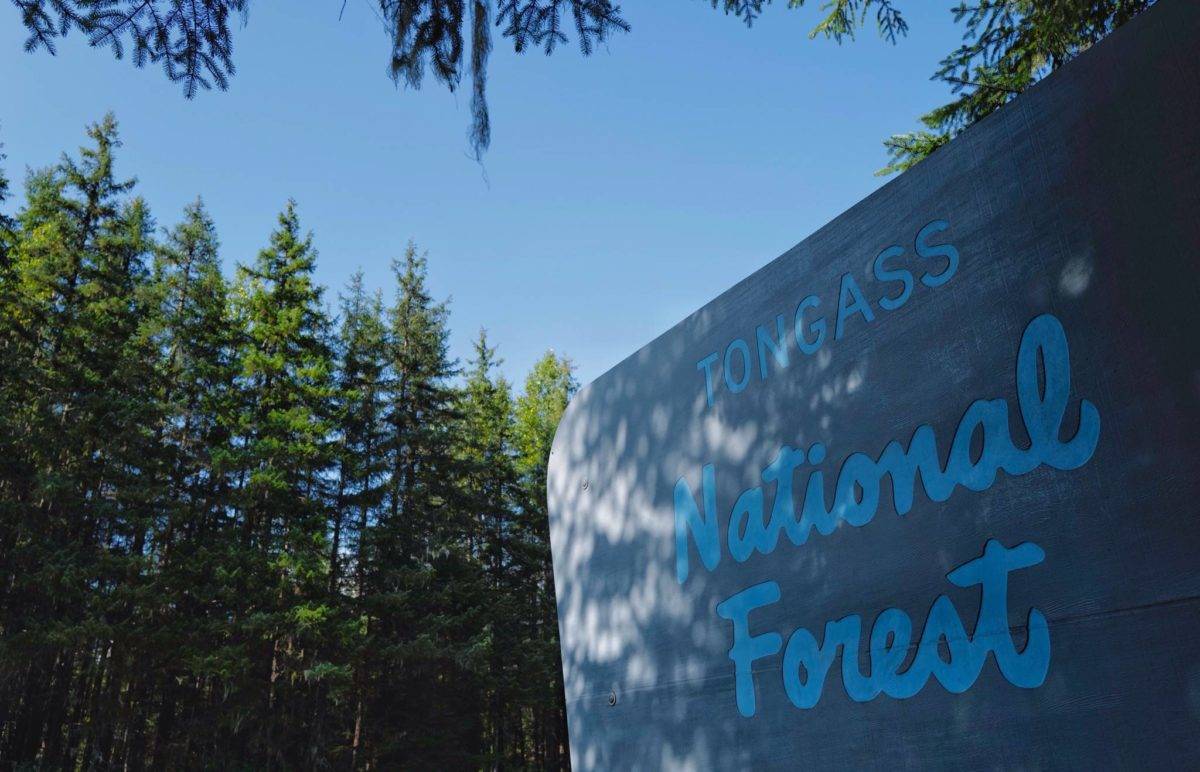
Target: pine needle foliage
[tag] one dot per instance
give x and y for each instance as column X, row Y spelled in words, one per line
column 435, row 35
column 1007, row 44
column 190, row 39
column 239, row 533
column 840, row 19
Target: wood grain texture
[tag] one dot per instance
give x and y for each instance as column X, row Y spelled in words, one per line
column 1080, row 199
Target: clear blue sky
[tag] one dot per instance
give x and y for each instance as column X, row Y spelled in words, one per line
column 622, row 191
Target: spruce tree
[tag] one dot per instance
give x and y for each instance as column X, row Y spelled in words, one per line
column 421, row 640
column 548, row 388
column 194, row 544
column 284, row 448
column 80, row 501
column 231, row 537
column 362, row 478
column 490, row 488
column 362, row 464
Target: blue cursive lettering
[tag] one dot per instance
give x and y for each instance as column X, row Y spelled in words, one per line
column 1042, row 403
column 806, row 663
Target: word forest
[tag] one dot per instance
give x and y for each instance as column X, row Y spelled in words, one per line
column 1042, row 403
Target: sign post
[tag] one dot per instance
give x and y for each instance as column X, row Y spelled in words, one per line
column 924, row 490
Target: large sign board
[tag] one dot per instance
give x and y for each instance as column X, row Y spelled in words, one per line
column 924, row 490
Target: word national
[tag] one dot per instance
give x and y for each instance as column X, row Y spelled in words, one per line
column 1043, row 376
column 857, row 492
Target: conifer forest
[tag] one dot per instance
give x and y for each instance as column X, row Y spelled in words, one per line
column 250, row 523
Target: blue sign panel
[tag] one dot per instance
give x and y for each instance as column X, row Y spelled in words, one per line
column 924, row 490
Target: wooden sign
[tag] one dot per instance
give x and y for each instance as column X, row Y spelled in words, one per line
column 925, row 490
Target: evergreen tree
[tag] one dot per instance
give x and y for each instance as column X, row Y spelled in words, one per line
column 418, row 600
column 285, row 452
column 233, row 538
column 362, row 463
column 195, row 546
column 362, row 477
column 84, row 479
column 490, row 489
column 548, row 388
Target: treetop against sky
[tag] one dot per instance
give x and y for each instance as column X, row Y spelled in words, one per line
column 694, row 140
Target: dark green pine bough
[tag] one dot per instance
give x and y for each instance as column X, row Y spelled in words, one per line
column 1007, row 44
column 240, row 532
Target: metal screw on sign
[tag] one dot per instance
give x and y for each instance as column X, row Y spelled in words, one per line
column 612, row 698
column 587, row 484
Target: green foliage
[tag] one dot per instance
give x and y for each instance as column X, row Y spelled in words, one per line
column 431, row 34
column 549, row 387
column 840, row 20
column 191, row 40
column 1008, row 45
column 906, row 150
column 6, row 222
column 237, row 533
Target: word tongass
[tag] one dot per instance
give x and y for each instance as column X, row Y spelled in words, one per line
column 891, row 637
column 857, row 495
column 736, row 369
